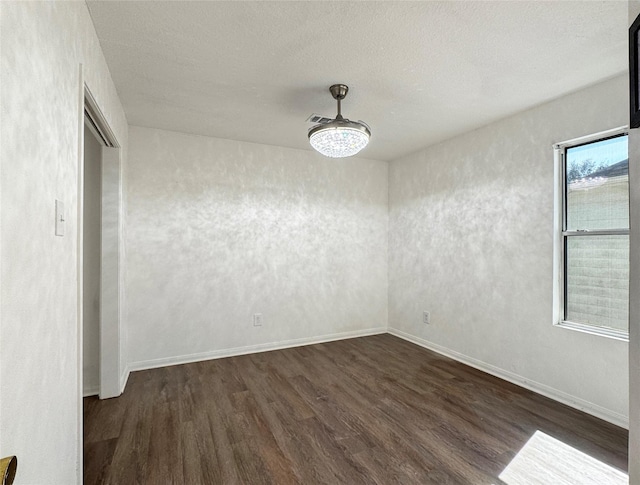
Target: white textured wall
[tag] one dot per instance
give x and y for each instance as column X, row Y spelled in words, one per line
column 91, row 264
column 43, row 45
column 471, row 241
column 219, row 230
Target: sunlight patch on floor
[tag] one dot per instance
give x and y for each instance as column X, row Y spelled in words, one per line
column 544, row 460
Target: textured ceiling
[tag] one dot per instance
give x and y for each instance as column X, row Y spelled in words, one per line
column 418, row 72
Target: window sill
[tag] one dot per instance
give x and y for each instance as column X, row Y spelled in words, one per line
column 601, row 332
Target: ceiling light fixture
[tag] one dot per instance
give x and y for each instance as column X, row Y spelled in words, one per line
column 339, row 137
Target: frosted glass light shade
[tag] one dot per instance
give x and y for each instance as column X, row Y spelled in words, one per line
column 339, row 138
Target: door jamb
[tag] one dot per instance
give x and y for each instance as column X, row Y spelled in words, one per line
column 111, row 214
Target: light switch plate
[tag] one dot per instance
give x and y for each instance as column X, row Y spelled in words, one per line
column 257, row 319
column 59, row 218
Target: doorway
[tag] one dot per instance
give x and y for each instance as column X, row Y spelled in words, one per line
column 99, row 242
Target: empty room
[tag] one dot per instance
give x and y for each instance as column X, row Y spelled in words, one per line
column 319, row 242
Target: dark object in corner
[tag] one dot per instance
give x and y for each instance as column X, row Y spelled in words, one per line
column 634, row 74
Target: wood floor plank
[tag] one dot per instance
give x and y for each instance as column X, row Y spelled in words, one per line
column 98, row 457
column 222, row 452
column 371, row 410
column 165, row 456
column 129, row 462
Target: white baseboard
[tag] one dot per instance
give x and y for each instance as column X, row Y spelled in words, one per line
column 90, row 391
column 250, row 349
column 124, row 378
column 95, row 391
column 550, row 392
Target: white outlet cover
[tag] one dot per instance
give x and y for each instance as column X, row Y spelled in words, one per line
column 426, row 318
column 257, row 319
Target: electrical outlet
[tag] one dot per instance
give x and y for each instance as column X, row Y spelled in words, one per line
column 257, row 319
column 426, row 318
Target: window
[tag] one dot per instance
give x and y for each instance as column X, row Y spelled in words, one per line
column 592, row 234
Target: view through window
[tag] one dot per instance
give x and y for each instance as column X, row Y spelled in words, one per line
column 596, row 234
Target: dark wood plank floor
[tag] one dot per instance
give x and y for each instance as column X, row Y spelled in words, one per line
column 367, row 410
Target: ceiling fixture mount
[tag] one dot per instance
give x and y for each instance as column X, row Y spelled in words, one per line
column 339, row 137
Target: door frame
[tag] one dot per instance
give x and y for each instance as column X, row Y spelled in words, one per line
column 111, row 286
column 111, row 210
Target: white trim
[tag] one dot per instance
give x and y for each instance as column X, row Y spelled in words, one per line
column 124, row 378
column 594, row 330
column 558, row 249
column 123, row 365
column 620, row 130
column 99, row 120
column 250, row 349
column 110, row 324
column 79, row 279
column 550, row 392
column 92, row 391
column 110, row 238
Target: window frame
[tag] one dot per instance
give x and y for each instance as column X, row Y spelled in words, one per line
column 561, row 236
